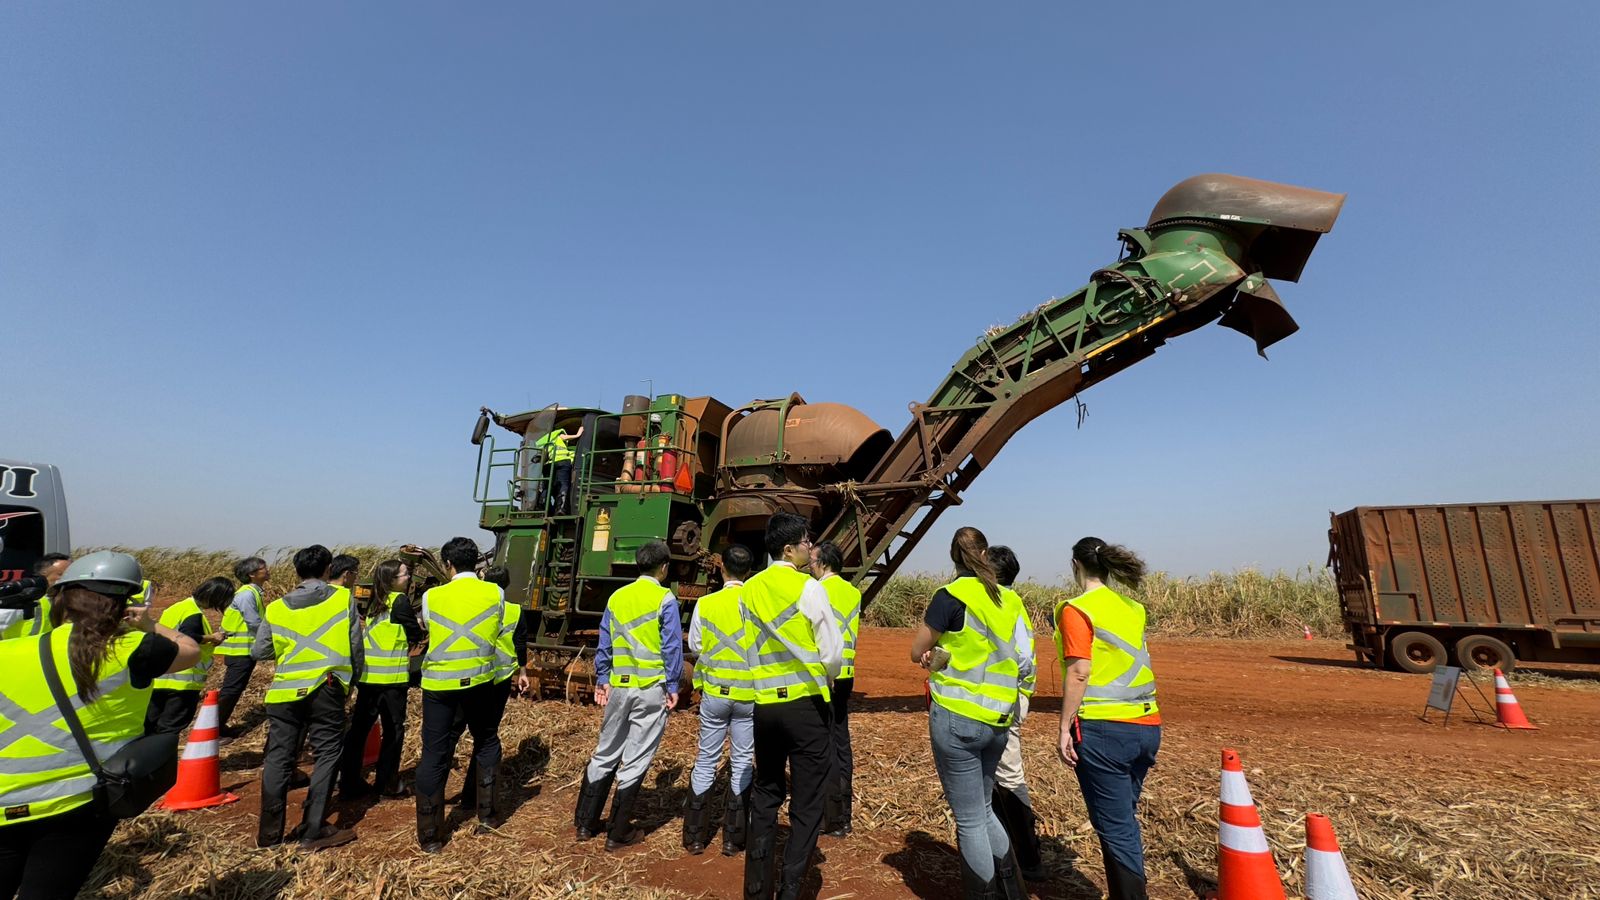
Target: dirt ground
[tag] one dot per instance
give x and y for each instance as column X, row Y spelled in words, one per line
column 1423, row 810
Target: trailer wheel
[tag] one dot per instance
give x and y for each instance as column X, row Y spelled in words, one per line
column 1480, row 651
column 1416, row 652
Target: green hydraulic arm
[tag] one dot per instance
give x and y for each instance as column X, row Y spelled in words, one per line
column 1206, row 254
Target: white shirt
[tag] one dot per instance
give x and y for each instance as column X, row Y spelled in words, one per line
column 818, row 610
column 422, row 614
column 694, row 619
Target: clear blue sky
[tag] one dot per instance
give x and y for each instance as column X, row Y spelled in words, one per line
column 260, row 264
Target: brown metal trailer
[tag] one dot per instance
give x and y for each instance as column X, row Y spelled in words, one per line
column 1481, row 585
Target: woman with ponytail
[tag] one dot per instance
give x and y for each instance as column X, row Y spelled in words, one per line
column 389, row 631
column 977, row 645
column 1110, row 724
column 107, row 655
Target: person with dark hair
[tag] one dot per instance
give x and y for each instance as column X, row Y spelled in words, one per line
column 240, row 623
column 717, row 632
column 798, row 655
column 463, row 618
column 389, row 633
column 638, row 668
column 35, row 620
column 342, row 572
column 1011, row 801
column 510, row 673
column 107, row 656
column 499, row 576
column 845, row 598
column 984, row 645
column 1110, row 724
column 177, row 696
column 313, row 633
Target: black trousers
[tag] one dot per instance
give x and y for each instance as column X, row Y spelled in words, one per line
column 320, row 717
column 481, row 705
column 795, row 734
column 469, row 787
column 51, row 857
column 385, row 703
column 170, row 711
column 844, row 763
column 235, row 679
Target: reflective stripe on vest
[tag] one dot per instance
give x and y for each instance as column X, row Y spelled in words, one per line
column 981, row 679
column 386, row 654
column 463, row 617
column 788, row 663
column 505, row 644
column 192, row 679
column 42, row 771
column 31, row 627
column 555, row 446
column 240, row 636
column 1121, row 683
column 846, row 602
column 726, row 643
column 309, row 644
column 636, row 634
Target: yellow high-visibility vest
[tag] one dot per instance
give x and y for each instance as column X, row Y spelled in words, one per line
column 788, row 662
column 240, row 636
column 726, row 643
column 385, row 652
column 846, row 602
column 635, row 609
column 1121, row 683
column 505, row 644
column 463, row 617
column 310, row 645
column 39, row 624
column 191, row 679
column 981, row 679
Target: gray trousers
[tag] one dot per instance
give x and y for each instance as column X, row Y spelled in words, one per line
column 723, row 718
column 1009, row 773
column 630, row 732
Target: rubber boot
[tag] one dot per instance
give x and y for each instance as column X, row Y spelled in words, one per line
column 1008, row 881
column 430, row 822
column 622, row 832
column 790, row 890
column 225, row 706
column 469, row 786
column 488, row 797
column 591, row 800
column 976, row 887
column 834, row 822
column 696, row 825
column 758, row 866
column 1123, row 883
column 1022, row 826
column 735, row 821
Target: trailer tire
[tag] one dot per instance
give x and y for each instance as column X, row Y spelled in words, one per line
column 1416, row 652
column 1482, row 652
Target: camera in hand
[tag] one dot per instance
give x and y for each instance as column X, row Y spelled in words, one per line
column 24, row 593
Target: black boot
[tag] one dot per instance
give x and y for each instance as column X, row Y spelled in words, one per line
column 622, row 832
column 1123, row 883
column 469, row 786
column 225, row 707
column 975, row 887
column 430, row 822
column 1022, row 826
column 1008, row 881
column 696, row 823
column 735, row 821
column 591, row 800
column 488, row 797
column 758, row 864
column 790, row 890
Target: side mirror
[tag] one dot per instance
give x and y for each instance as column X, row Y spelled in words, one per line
column 481, row 429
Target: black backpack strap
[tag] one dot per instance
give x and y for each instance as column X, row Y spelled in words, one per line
column 59, row 692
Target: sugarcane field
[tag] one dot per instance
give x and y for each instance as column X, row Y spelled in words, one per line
column 798, row 453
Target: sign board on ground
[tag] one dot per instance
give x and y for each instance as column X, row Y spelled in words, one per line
column 1443, row 692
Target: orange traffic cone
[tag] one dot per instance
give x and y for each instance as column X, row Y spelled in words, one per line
column 369, row 756
column 199, row 775
column 1327, row 878
column 1506, row 708
column 1245, row 870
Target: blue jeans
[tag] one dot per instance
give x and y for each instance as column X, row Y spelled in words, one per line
column 1113, row 758
column 723, row 718
column 966, row 752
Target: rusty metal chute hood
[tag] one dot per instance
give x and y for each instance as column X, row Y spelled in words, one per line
column 1280, row 223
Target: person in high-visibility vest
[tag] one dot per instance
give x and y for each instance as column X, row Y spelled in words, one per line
column 845, row 598
column 797, row 655
column 240, row 623
column 637, row 669
column 177, row 696
column 1110, row 723
column 463, row 618
column 717, row 631
column 984, row 645
column 1012, row 803
column 15, row 623
column 510, row 673
column 389, row 631
column 313, row 634
column 558, row 459
column 107, row 656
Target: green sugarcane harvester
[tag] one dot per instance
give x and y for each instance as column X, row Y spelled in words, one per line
column 702, row 475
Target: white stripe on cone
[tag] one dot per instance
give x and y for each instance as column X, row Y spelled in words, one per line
column 208, row 716
column 199, row 749
column 1327, row 878
column 1242, row 839
column 1235, row 790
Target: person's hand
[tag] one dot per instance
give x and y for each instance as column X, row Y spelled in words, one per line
column 1066, row 751
column 139, row 618
column 215, row 637
column 927, row 658
column 672, row 700
column 602, row 693
column 523, row 682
